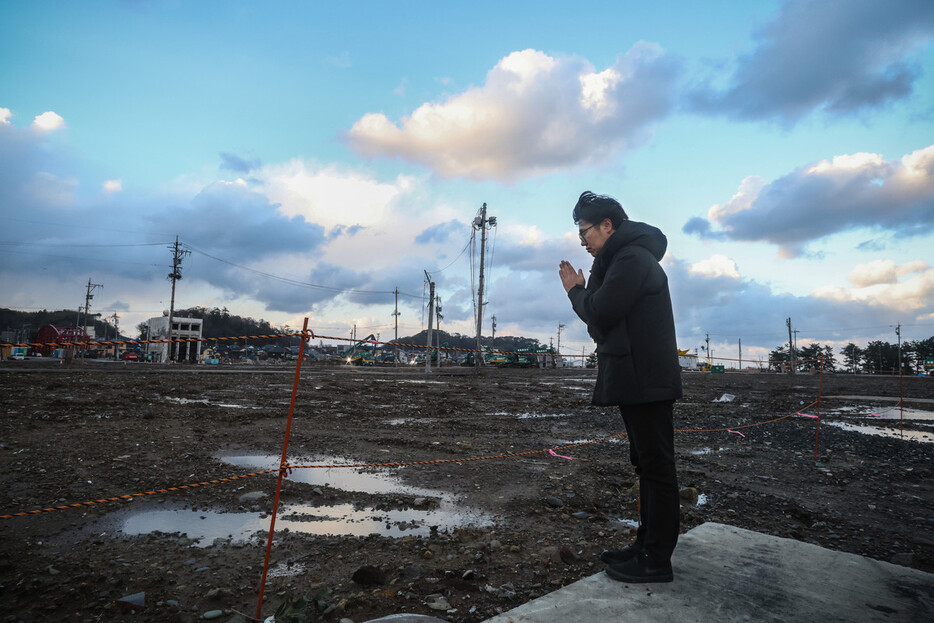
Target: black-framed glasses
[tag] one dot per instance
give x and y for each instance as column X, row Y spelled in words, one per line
column 582, row 233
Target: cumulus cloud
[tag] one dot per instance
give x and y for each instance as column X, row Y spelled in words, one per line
column 48, row 122
column 833, row 55
column 715, row 266
column 882, row 283
column 329, row 195
column 231, row 219
column 733, row 307
column 5, row 114
column 112, row 186
column 535, row 113
column 827, row 197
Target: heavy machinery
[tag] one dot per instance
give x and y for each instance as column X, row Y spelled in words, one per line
column 541, row 357
column 688, row 360
column 363, row 352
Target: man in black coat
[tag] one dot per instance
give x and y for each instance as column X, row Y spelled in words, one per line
column 627, row 308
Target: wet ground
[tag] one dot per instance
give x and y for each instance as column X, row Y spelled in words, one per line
column 452, row 536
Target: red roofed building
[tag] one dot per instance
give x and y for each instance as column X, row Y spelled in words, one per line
column 58, row 334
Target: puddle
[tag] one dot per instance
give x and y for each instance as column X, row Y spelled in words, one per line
column 410, row 420
column 204, row 527
column 860, row 418
column 536, row 416
column 705, row 450
column 924, row 437
column 205, row 401
column 893, row 413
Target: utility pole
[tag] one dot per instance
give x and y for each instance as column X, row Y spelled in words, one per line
column 431, row 303
column 558, row 352
column 708, row 350
column 796, row 332
column 87, row 307
column 438, row 318
column 898, row 333
column 395, row 350
column 791, row 346
column 177, row 254
column 481, row 223
column 740, row 353
column 116, row 320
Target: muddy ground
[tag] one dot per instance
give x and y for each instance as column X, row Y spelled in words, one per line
column 72, row 434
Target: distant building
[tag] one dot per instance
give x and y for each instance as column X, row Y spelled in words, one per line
column 182, row 329
column 57, row 334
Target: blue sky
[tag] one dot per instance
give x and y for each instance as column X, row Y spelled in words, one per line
column 785, row 148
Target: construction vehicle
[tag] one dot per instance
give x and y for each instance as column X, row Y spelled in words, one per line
column 543, row 356
column 363, row 352
column 446, row 355
column 688, row 360
column 496, row 358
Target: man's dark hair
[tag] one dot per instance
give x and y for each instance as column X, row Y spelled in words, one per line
column 594, row 208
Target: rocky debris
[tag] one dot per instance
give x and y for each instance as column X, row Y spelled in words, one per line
column 868, row 495
column 689, row 496
column 369, row 575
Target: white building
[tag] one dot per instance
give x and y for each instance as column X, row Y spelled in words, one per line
column 182, row 329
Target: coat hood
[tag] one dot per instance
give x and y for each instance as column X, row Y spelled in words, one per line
column 635, row 233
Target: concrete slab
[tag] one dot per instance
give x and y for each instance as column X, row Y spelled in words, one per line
column 725, row 574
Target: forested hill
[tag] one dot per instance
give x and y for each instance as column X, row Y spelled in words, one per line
column 221, row 323
column 217, row 323
column 457, row 340
column 25, row 324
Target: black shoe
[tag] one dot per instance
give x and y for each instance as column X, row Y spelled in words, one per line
column 640, row 570
column 619, row 556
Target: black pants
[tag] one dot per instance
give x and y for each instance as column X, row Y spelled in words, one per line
column 652, row 452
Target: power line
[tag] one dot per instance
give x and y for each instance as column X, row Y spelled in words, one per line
column 303, row 284
column 469, row 240
column 72, row 257
column 12, row 243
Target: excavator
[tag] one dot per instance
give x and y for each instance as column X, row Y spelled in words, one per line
column 363, row 353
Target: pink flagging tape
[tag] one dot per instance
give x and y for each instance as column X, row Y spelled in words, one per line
column 807, row 415
column 736, row 432
column 560, row 456
column 876, row 415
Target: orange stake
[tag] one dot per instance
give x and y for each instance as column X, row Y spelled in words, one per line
column 282, row 469
column 820, row 389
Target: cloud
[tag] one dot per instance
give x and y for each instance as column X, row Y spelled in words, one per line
column 820, row 199
column 833, row 55
column 442, row 232
column 881, row 283
column 112, row 186
column 5, row 114
column 329, row 195
column 234, row 221
column 715, row 266
column 534, row 114
column 733, row 307
column 339, row 61
column 400, row 89
column 48, row 122
column 236, row 164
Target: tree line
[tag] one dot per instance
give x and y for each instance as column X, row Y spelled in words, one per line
column 877, row 356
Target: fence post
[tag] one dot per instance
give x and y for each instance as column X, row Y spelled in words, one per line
column 285, row 448
column 820, row 389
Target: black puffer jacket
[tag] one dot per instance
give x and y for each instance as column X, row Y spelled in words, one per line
column 627, row 308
